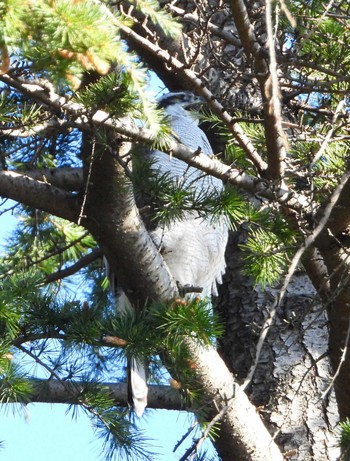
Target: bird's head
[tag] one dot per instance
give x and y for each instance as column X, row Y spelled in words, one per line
column 180, row 103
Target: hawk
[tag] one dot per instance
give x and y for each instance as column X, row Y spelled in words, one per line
column 193, row 247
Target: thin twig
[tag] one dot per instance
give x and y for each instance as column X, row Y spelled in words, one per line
column 329, row 135
column 273, row 114
column 88, row 408
column 91, row 159
column 74, row 268
column 185, row 435
column 318, row 21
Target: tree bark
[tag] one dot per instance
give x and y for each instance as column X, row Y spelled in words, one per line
column 293, row 371
column 39, row 194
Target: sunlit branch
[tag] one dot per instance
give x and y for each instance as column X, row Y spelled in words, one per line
column 66, row 178
column 197, row 85
column 83, row 121
column 214, row 29
column 38, row 194
column 53, row 391
column 268, row 83
column 308, row 243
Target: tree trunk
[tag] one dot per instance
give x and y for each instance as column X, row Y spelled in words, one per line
column 290, row 386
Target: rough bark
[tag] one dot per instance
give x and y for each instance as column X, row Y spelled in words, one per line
column 292, row 372
column 338, row 308
column 290, row 386
column 249, row 23
column 66, row 178
column 242, row 433
column 111, row 215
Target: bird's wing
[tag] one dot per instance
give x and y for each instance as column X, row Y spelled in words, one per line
column 193, row 248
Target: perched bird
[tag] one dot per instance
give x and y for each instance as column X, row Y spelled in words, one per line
column 193, row 247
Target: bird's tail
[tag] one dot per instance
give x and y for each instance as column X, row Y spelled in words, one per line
column 137, row 386
column 137, row 371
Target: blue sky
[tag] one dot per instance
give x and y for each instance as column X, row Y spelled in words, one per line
column 47, row 433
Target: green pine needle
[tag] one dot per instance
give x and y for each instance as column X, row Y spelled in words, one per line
column 159, row 16
column 344, row 438
column 14, row 385
column 265, row 257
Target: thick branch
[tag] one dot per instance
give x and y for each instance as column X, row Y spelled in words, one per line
column 113, row 218
column 66, row 178
column 38, row 194
column 196, row 84
column 54, row 391
column 245, row 30
column 241, row 430
column 131, row 131
column 337, row 262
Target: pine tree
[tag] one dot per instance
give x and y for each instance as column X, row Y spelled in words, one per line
column 75, row 107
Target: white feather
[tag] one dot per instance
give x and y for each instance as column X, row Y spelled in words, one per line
column 139, row 388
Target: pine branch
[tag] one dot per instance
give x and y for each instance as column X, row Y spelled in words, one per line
column 223, row 393
column 53, row 391
column 74, row 268
column 65, row 178
column 197, row 84
column 308, row 243
column 245, row 30
column 38, row 194
column 114, row 220
column 197, row 159
column 213, row 28
column 117, row 226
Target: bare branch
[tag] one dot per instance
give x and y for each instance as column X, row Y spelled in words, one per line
column 224, row 393
column 193, row 17
column 273, row 115
column 114, row 220
column 196, row 84
column 245, row 30
column 66, row 178
column 308, row 242
column 74, row 268
column 53, row 391
column 267, row 76
column 38, row 194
